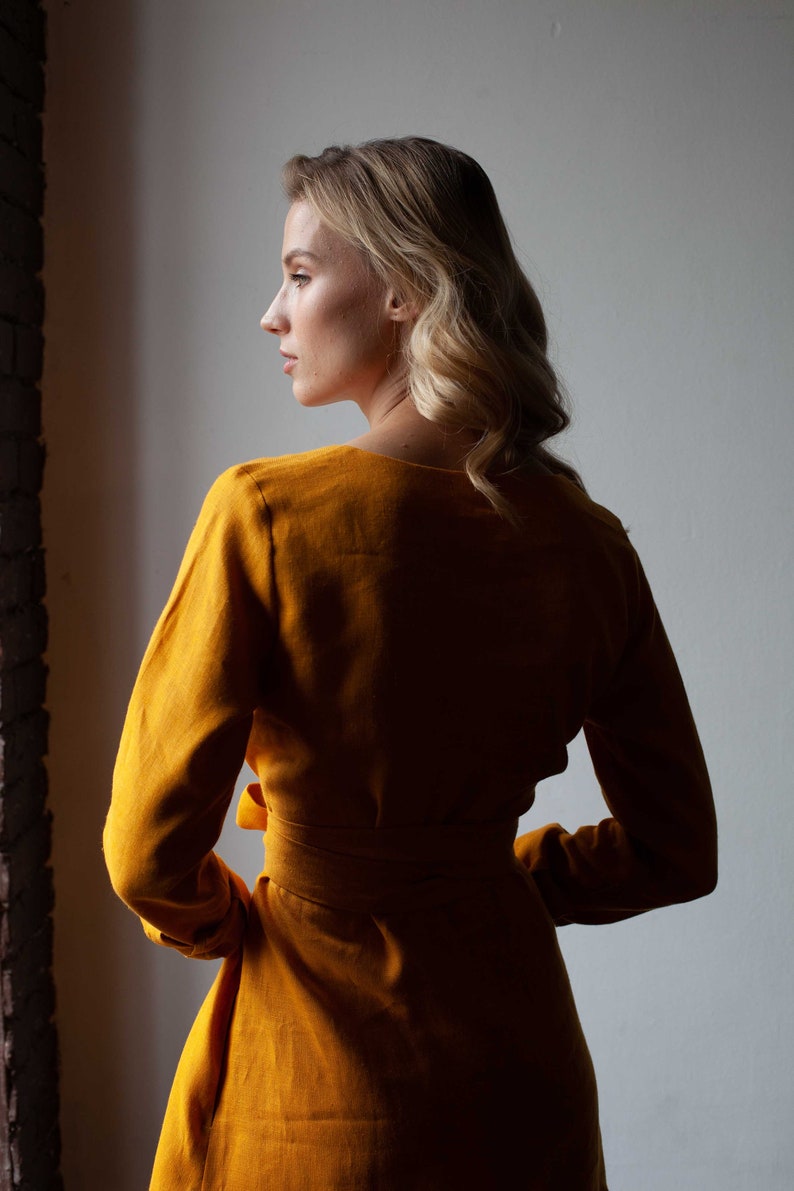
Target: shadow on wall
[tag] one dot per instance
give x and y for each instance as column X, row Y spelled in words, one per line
column 104, row 1004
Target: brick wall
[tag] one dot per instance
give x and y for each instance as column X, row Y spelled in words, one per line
column 29, row 1140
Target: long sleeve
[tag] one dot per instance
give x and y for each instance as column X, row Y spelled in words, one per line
column 187, row 726
column 660, row 845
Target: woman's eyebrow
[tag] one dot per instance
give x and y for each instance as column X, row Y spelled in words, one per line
column 293, row 252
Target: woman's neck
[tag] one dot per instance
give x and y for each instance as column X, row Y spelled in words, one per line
column 401, row 432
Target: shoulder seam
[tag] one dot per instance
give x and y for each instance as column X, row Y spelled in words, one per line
column 243, row 468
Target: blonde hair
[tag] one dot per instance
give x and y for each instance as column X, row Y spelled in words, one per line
column 426, row 218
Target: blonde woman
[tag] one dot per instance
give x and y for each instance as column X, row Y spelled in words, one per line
column 401, row 635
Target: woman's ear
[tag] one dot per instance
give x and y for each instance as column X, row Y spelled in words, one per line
column 400, row 311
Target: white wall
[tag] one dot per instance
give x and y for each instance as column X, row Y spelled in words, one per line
column 642, row 152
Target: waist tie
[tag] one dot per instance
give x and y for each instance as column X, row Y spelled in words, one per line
column 386, row 870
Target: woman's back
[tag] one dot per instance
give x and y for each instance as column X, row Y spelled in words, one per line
column 401, row 666
column 431, row 661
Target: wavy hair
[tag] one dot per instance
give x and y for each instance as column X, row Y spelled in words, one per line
column 426, row 218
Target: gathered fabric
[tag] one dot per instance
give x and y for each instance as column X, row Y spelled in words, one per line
column 372, row 870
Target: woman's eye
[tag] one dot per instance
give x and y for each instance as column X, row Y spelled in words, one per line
column 299, row 279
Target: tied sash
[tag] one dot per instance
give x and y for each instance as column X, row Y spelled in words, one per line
column 380, row 870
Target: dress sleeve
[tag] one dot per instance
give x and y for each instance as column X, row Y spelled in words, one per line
column 660, row 845
column 187, row 726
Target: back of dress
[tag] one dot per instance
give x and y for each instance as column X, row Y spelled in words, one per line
column 400, row 666
column 430, row 662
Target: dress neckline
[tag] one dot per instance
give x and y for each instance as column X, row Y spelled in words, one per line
column 444, row 471
column 426, row 467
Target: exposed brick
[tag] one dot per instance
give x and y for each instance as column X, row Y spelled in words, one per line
column 30, row 465
column 21, row 294
column 21, row 579
column 40, row 1170
column 7, row 991
column 9, row 467
column 31, row 962
column 20, row 523
column 20, row 409
column 29, row 1023
column 24, row 742
column 28, row 353
column 24, row 21
column 28, row 134
column 29, row 910
column 5, row 887
column 29, row 1134
column 36, row 1079
column 9, row 474
column 20, row 125
column 9, row 290
column 35, row 1159
column 7, row 129
column 21, row 468
column 21, row 236
column 22, row 689
column 20, row 69
column 34, row 1146
column 22, row 805
column 15, row 581
column 20, row 180
column 34, row 1012
column 20, row 527
column 24, row 635
column 39, row 575
column 6, row 348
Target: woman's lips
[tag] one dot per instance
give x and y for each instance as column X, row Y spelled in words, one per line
column 289, row 362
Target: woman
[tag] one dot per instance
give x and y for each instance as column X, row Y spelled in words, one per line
column 401, row 635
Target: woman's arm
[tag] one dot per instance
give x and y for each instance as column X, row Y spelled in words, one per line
column 660, row 845
column 187, row 727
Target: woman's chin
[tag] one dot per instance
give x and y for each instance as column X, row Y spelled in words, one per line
column 311, row 400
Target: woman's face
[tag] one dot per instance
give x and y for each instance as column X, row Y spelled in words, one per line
column 336, row 321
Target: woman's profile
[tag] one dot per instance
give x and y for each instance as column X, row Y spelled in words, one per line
column 401, row 635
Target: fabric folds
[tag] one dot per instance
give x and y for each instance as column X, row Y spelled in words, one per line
column 400, row 668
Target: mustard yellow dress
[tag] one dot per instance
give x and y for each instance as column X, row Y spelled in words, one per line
column 400, row 667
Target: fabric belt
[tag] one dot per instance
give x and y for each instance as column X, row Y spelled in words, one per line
column 384, row 870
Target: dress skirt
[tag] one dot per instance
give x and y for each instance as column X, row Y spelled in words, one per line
column 417, row 1049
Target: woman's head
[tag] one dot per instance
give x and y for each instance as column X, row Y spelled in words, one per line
column 339, row 327
column 425, row 218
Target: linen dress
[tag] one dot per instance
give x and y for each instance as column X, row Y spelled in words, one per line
column 400, row 667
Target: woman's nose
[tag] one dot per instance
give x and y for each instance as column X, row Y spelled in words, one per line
column 273, row 319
